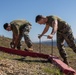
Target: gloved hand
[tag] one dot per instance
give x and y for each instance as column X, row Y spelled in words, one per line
column 12, row 45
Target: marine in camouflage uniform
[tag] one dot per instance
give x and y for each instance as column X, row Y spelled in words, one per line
column 64, row 32
column 22, row 29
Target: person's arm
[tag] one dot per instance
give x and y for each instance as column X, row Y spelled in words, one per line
column 14, row 32
column 54, row 30
column 16, row 41
column 15, row 36
column 55, row 27
column 13, row 39
column 44, row 31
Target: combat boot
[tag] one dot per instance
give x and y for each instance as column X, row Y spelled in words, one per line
column 29, row 49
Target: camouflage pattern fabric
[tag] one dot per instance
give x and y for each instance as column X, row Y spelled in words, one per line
column 24, row 33
column 21, row 28
column 64, row 32
column 67, row 35
column 16, row 25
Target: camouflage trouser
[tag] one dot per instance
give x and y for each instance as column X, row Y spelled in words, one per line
column 24, row 33
column 68, row 37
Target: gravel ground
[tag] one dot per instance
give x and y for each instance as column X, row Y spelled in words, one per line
column 15, row 67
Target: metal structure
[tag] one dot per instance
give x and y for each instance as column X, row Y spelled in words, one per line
column 56, row 61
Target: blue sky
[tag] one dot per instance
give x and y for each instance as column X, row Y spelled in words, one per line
column 28, row 9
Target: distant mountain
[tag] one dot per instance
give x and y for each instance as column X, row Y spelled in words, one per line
column 54, row 43
column 49, row 42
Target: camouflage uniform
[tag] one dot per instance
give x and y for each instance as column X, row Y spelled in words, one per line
column 21, row 28
column 64, row 32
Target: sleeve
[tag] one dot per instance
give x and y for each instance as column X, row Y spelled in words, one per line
column 53, row 18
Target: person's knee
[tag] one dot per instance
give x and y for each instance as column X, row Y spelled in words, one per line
column 29, row 45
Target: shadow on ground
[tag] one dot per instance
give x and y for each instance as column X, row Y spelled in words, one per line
column 38, row 60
